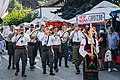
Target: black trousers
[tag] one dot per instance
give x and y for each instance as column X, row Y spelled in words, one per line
column 32, row 53
column 56, row 57
column 40, row 48
column 11, row 51
column 64, row 53
column 47, row 55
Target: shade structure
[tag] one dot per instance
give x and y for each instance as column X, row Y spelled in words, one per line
column 3, row 7
column 116, row 20
column 34, row 21
column 57, row 18
column 104, row 7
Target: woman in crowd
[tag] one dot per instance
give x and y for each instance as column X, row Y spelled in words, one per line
column 88, row 49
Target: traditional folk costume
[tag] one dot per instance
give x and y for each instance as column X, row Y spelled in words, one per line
column 21, row 52
column 10, row 46
column 90, row 64
column 77, row 58
column 39, row 42
column 56, row 45
column 47, row 54
column 64, row 53
column 32, row 48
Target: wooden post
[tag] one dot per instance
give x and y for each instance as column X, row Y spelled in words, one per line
column 91, row 37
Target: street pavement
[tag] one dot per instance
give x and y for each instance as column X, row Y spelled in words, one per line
column 36, row 74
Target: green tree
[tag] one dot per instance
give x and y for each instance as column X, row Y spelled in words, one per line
column 18, row 14
column 74, row 7
column 14, row 4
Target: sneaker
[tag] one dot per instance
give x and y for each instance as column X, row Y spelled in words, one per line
column 114, row 69
column 109, row 70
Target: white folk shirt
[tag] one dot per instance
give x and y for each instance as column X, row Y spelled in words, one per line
column 56, row 40
column 83, row 43
column 7, row 32
column 34, row 40
column 22, row 41
column 65, row 36
column 44, row 38
column 77, row 36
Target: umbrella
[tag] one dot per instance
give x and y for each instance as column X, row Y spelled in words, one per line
column 116, row 19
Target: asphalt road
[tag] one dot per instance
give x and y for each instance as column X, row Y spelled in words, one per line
column 36, row 74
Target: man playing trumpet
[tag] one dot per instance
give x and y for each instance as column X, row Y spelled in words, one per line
column 47, row 54
column 21, row 40
column 76, row 37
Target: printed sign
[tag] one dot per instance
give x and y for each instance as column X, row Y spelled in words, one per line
column 90, row 18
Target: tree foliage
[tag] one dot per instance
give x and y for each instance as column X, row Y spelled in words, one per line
column 74, row 7
column 18, row 14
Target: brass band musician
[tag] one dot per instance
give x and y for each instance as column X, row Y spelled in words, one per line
column 64, row 39
column 21, row 40
column 10, row 45
column 32, row 46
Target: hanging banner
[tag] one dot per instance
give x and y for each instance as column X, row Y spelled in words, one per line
column 90, row 18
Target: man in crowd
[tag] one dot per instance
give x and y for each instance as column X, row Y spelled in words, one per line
column 76, row 36
column 21, row 40
column 11, row 45
column 32, row 46
column 113, row 42
column 47, row 54
column 64, row 52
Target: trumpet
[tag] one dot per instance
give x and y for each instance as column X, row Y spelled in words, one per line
column 21, row 33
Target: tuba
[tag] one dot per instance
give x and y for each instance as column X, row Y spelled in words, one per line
column 67, row 30
column 35, row 30
column 63, row 37
column 33, row 38
column 9, row 37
